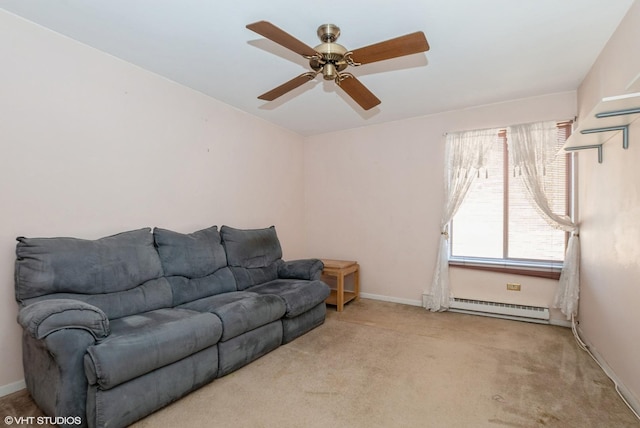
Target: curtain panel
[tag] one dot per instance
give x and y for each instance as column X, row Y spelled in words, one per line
column 465, row 155
column 532, row 148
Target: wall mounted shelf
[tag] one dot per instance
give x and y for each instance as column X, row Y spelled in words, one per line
column 610, row 117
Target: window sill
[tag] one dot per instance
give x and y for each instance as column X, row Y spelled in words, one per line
column 539, row 271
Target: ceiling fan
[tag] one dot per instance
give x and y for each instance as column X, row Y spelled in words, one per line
column 331, row 59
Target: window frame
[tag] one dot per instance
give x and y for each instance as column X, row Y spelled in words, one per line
column 528, row 267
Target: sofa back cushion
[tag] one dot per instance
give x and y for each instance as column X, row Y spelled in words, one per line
column 251, row 248
column 195, row 264
column 253, row 254
column 192, row 255
column 152, row 295
column 71, row 265
column 120, row 274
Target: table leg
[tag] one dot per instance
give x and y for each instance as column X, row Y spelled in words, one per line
column 340, row 293
column 356, row 283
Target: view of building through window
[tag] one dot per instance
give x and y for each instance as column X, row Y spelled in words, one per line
column 497, row 219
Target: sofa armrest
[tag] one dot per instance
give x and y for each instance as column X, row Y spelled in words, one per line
column 47, row 316
column 309, row 269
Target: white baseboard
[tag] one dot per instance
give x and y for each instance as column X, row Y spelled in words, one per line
column 391, row 299
column 12, row 387
column 560, row 323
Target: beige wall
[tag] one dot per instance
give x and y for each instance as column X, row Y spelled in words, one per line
column 610, row 218
column 375, row 195
column 93, row 146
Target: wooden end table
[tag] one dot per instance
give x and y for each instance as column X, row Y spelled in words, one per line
column 339, row 269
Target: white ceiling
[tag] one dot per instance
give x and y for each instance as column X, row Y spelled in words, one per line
column 482, row 51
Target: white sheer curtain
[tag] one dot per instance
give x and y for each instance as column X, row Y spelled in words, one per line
column 465, row 155
column 532, row 148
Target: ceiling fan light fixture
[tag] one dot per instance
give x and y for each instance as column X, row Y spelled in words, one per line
column 329, row 71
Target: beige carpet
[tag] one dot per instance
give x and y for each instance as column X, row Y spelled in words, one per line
column 382, row 364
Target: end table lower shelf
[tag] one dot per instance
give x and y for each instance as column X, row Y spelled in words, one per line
column 333, row 298
column 340, row 269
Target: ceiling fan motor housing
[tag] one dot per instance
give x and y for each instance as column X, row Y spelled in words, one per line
column 332, row 54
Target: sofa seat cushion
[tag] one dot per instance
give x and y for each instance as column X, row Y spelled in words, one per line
column 240, row 311
column 139, row 344
column 298, row 295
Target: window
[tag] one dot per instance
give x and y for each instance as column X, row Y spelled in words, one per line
column 497, row 225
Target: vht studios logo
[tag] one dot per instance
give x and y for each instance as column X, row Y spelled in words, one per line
column 42, row 420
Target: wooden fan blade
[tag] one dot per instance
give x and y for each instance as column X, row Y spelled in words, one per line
column 281, row 37
column 356, row 90
column 286, row 87
column 392, row 48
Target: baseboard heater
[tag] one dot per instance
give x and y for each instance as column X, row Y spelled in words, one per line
column 537, row 314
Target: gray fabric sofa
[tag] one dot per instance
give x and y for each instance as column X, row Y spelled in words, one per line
column 118, row 327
